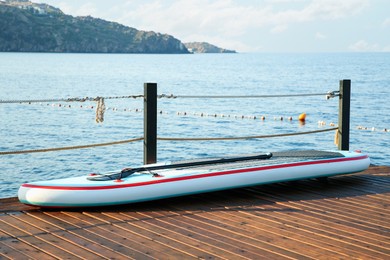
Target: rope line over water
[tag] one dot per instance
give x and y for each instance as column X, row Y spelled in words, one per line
column 242, row 137
column 329, row 94
column 163, row 139
column 71, row 147
column 74, row 99
column 101, row 109
column 282, row 118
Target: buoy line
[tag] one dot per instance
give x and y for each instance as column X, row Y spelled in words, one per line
column 299, row 118
column 373, row 129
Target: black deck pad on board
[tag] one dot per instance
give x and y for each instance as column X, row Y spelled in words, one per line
column 308, row 154
column 226, row 163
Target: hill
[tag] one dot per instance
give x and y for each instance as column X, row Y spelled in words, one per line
column 30, row 27
column 204, row 47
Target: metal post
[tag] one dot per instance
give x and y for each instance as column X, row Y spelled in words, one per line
column 344, row 114
column 150, row 123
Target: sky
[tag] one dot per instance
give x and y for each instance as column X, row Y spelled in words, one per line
column 252, row 25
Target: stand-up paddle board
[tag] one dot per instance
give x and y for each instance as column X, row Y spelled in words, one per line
column 158, row 181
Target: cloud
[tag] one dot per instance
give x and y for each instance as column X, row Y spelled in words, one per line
column 86, row 9
column 386, row 22
column 313, row 11
column 229, row 19
column 65, row 7
column 387, row 48
column 333, row 9
column 362, row 45
column 279, row 29
column 236, row 23
column 320, row 36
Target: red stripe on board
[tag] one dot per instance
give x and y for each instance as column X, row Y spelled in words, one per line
column 262, row 168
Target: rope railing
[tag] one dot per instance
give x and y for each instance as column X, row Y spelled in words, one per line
column 100, row 108
column 329, row 94
column 164, row 139
column 74, row 99
column 150, row 111
column 242, row 137
column 70, row 147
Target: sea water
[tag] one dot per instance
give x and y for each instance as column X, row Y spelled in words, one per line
column 40, row 125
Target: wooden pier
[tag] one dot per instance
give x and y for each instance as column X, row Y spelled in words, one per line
column 346, row 217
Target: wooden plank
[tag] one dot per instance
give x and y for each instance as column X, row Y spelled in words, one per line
column 182, row 242
column 8, row 252
column 286, row 243
column 352, row 186
column 172, row 246
column 348, row 208
column 280, row 217
column 213, row 240
column 74, row 234
column 66, row 240
column 151, row 242
column 372, row 202
column 231, row 237
column 12, row 248
column 298, row 237
column 37, row 242
column 331, row 230
column 322, row 247
column 91, row 232
column 63, row 239
column 347, row 185
column 127, row 243
column 242, row 216
column 377, row 201
column 323, row 229
column 197, row 241
column 345, row 212
column 10, row 205
column 337, row 222
column 383, row 197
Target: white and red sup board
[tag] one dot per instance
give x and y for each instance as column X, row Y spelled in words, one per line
column 152, row 182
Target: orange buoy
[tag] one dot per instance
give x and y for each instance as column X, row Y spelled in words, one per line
column 302, row 117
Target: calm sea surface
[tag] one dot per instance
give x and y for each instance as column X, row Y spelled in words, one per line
column 53, row 124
